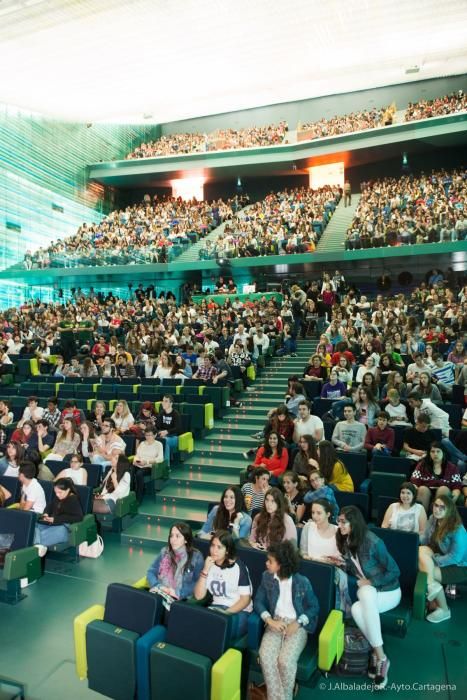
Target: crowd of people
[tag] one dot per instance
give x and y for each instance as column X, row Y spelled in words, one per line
column 282, row 223
column 348, row 123
column 151, row 231
column 376, row 361
column 438, row 107
column 219, row 140
column 427, row 208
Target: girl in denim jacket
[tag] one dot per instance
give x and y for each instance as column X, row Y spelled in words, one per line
column 286, row 603
column 443, row 554
column 366, row 557
column 177, row 567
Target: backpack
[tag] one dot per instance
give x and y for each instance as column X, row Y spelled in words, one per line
column 354, row 660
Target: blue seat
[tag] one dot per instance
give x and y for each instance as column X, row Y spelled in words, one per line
column 23, row 560
column 193, row 653
column 403, row 547
column 392, row 465
column 11, row 484
column 356, row 464
column 360, row 500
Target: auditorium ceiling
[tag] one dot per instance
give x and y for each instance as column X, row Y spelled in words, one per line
column 155, row 61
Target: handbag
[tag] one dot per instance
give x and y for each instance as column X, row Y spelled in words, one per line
column 92, row 551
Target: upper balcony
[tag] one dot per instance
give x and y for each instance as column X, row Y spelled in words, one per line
column 354, row 149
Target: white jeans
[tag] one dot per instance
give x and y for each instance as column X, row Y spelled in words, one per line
column 366, row 611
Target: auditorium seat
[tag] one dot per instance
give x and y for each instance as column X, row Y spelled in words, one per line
column 192, row 656
column 106, row 636
column 23, row 560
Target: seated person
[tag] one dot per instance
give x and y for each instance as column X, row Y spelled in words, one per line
column 306, row 424
column 396, row 410
column 406, row 514
column 122, row 417
column 366, row 557
column 177, row 567
column 293, row 493
column 315, row 371
column 32, row 493
column 64, row 510
column 146, row 417
column 41, row 439
column 334, row 388
column 348, row 434
column 168, row 426
column 380, row 439
column 107, row 443
column 273, row 455
column 32, row 413
column 319, row 489
column 332, row 468
column 255, row 490
column 116, row 484
column 443, row 554
column 306, row 458
column 227, row 580
column 10, row 463
column 273, row 524
column 288, row 618
column 417, row 440
column 229, row 515
column 435, row 476
column 67, row 442
column 76, row 472
column 148, row 452
column 24, row 435
column 318, row 540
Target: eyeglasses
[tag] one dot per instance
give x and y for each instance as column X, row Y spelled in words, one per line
column 441, row 506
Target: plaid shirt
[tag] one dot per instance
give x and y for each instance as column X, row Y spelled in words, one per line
column 52, row 418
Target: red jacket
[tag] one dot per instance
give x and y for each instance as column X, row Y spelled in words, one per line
column 276, row 465
column 375, row 435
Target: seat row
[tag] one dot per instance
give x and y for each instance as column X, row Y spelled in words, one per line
column 194, row 649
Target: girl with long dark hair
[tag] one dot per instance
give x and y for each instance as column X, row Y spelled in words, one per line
column 366, row 557
column 273, row 524
column 272, row 455
column 178, row 565
column 227, row 580
column 228, row 515
column 332, row 468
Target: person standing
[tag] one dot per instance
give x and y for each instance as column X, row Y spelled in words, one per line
column 347, row 193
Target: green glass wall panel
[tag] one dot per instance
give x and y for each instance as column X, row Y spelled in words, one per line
column 45, row 192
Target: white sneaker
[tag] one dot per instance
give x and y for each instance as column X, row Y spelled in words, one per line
column 41, row 549
column 433, row 590
column 439, row 615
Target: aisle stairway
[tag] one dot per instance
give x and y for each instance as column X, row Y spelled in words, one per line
column 217, row 460
column 333, row 238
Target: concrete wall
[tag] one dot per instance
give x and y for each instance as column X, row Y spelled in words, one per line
column 329, row 106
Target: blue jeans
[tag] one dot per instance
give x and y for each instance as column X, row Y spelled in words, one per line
column 458, row 457
column 170, row 446
column 50, row 534
column 385, row 452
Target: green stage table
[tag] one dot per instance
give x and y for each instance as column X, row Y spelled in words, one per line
column 220, row 298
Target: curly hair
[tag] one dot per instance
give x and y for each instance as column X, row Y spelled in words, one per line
column 287, row 556
column 272, row 527
column 223, row 517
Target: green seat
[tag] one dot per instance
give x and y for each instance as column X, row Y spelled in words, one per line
column 111, row 660
column 174, row 670
column 384, row 484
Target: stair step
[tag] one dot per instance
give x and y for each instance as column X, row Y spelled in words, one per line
column 201, row 476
